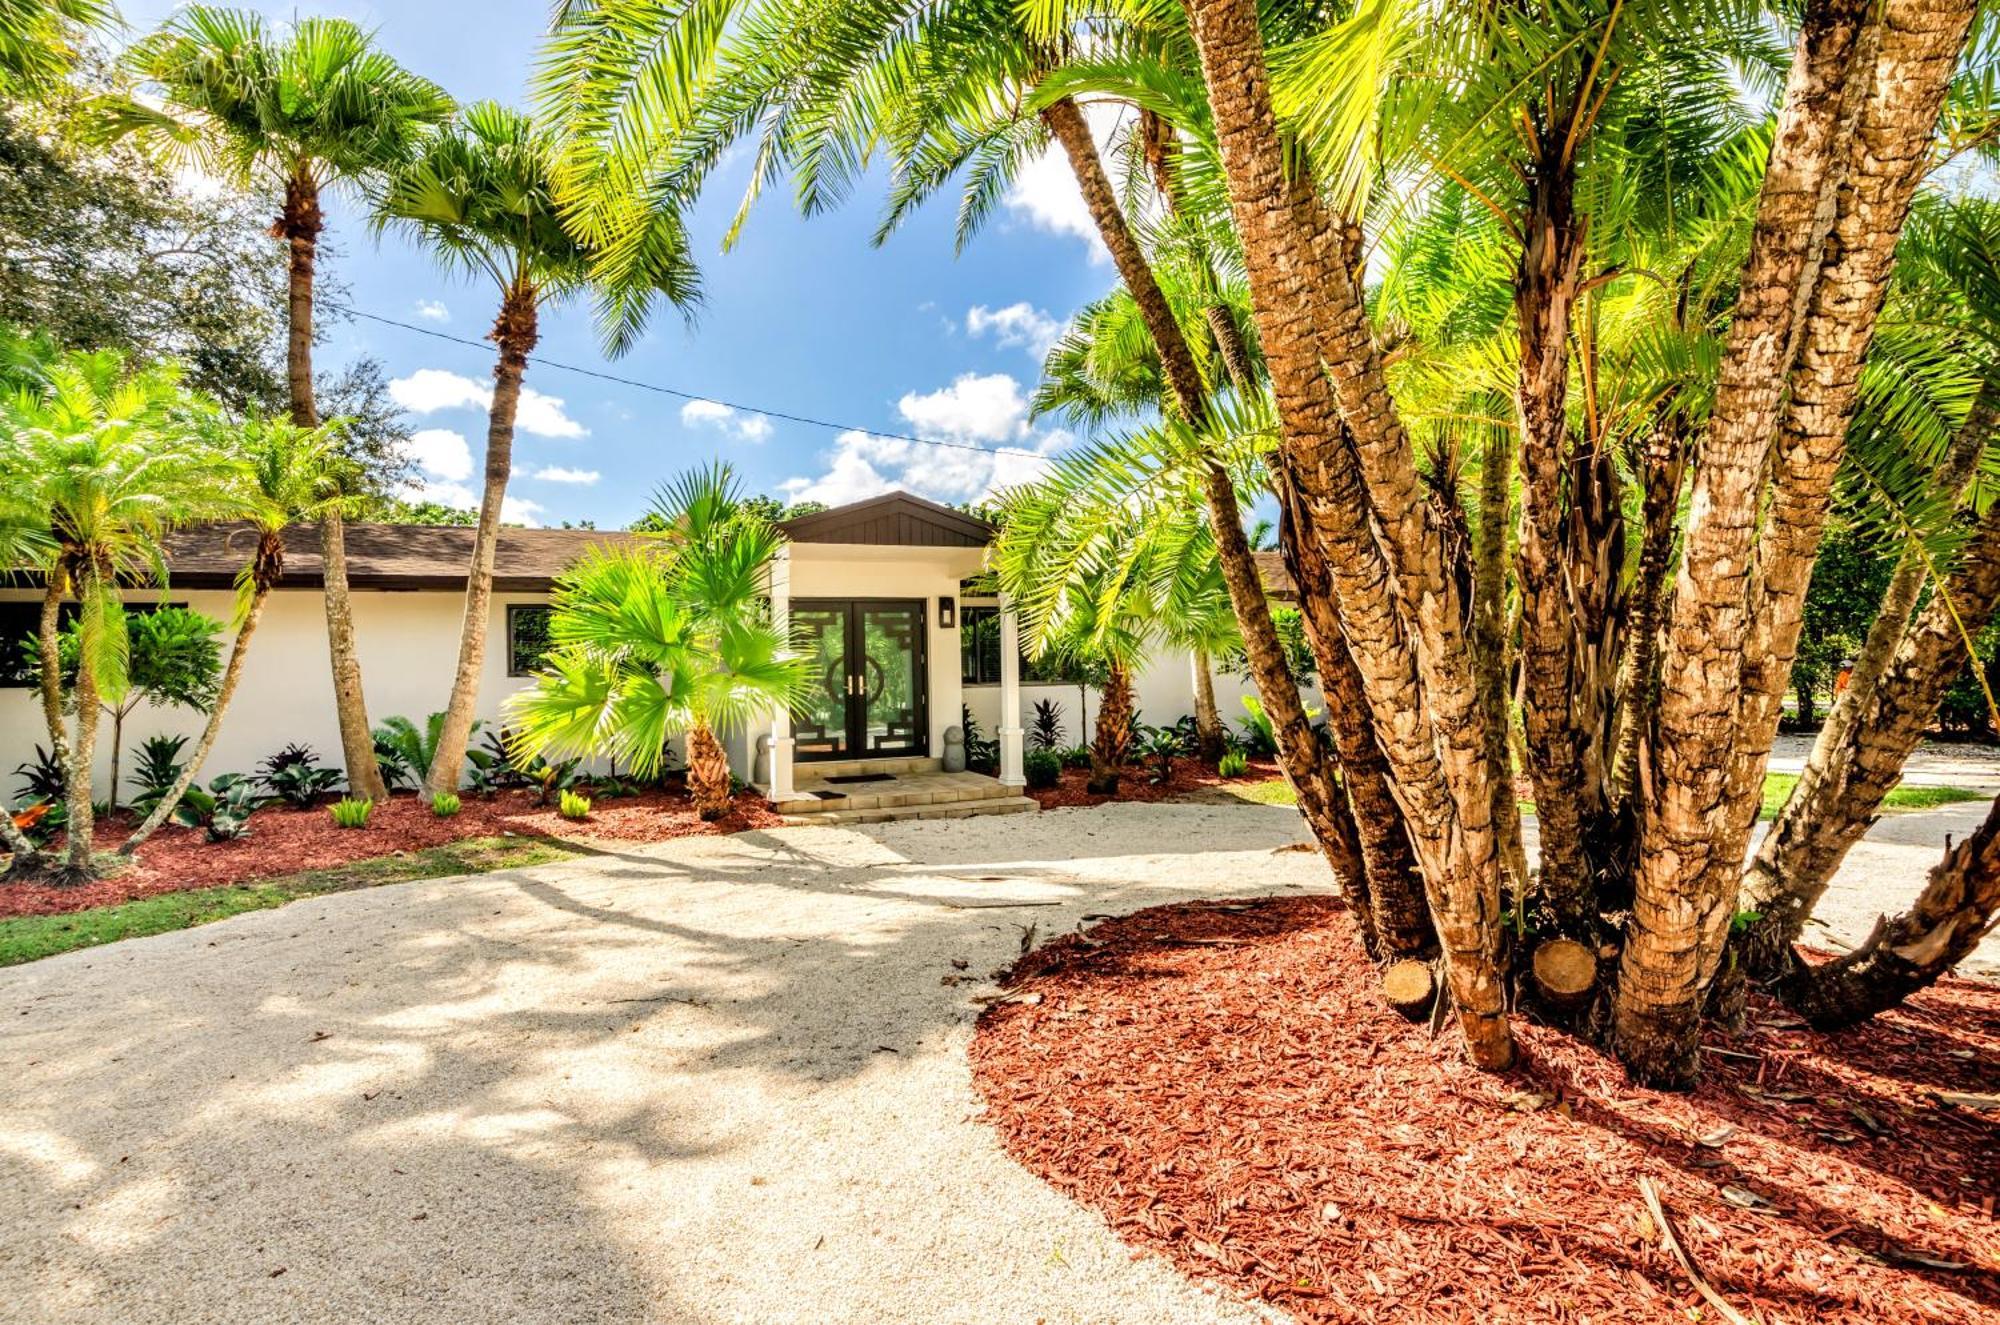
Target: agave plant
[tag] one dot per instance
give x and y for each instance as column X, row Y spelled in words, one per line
column 667, row 637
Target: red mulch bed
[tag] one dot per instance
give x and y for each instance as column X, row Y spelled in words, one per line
column 1190, row 775
column 1223, row 1083
column 284, row 841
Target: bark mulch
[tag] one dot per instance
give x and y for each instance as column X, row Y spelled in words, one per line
column 284, row 841
column 1224, row 1084
column 1190, row 776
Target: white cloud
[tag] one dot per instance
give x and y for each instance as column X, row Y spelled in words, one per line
column 1044, row 190
column 513, row 510
column 557, row 474
column 432, row 310
column 989, row 446
column 988, row 408
column 714, row 414
column 519, row 510
column 429, row 390
column 1019, row 325
column 440, row 453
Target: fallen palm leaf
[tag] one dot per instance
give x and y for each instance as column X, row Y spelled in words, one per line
column 1670, row 1239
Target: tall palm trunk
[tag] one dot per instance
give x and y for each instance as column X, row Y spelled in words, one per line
column 1492, row 663
column 299, row 225
column 1850, row 147
column 79, row 822
column 266, row 569
column 708, row 772
column 1859, row 757
column 515, row 332
column 1317, row 341
column 1210, row 737
column 1956, row 909
column 1663, row 466
column 1304, row 758
column 1546, row 285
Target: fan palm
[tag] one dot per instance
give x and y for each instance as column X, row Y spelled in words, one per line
column 670, row 637
column 112, row 461
column 37, row 38
column 300, row 111
column 480, row 194
column 290, row 476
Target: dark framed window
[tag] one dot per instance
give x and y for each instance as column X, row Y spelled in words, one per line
column 527, row 637
column 979, row 645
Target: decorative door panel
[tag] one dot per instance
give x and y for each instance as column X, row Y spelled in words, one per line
column 870, row 684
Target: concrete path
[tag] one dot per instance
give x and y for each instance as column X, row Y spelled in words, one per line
column 1931, row 764
column 718, row 1080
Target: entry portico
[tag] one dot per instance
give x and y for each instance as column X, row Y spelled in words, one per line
column 871, row 592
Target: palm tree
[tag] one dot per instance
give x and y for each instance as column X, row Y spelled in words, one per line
column 112, row 461
column 672, row 636
column 291, row 475
column 480, row 193
column 301, row 112
column 37, row 38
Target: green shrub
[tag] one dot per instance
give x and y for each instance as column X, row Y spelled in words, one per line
column 1043, row 768
column 350, row 812
column 1077, row 756
column 573, row 806
column 223, row 811
column 445, row 804
column 1234, row 764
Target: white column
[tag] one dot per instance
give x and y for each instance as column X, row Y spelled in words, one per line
column 781, row 787
column 1011, row 773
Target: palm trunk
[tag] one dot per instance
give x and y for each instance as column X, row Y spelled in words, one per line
column 708, row 773
column 117, row 749
column 1954, row 912
column 1209, row 735
column 1681, row 907
column 1303, row 757
column 1492, row 664
column 1663, row 463
column 1317, row 342
column 299, row 225
column 49, row 638
column 79, row 823
column 515, row 332
column 1887, row 160
column 1113, row 734
column 1545, row 292
column 1859, row 757
column 269, row 554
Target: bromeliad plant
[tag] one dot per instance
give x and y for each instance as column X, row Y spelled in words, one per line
column 295, row 776
column 223, row 810
column 670, row 636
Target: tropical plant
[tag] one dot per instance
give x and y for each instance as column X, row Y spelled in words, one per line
column 158, row 768
column 982, row 755
column 445, row 804
column 351, row 811
column 1076, row 756
column 295, row 776
column 1047, row 731
column 38, row 39
column 1159, row 745
column 101, row 463
column 550, row 777
column 44, row 780
column 405, row 750
column 291, row 475
column 1258, row 737
column 573, row 805
column 300, row 112
column 223, row 810
column 670, row 635
column 480, row 194
column 1042, row 768
column 1233, row 764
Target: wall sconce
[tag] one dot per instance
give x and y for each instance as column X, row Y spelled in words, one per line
column 947, row 614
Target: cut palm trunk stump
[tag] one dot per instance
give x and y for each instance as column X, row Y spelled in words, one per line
column 1565, row 974
column 1408, row 986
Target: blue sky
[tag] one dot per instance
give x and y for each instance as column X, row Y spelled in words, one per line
column 802, row 316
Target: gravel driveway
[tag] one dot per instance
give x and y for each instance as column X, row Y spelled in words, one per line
column 722, row 1079
column 716, row 1080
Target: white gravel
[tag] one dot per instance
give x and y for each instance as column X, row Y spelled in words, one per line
column 721, row 1079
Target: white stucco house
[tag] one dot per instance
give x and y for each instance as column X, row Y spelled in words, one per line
column 876, row 588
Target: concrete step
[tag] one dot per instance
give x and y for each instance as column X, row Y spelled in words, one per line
column 914, row 789
column 814, row 770
column 965, row 809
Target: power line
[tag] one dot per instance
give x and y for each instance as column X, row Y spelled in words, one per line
column 655, row 387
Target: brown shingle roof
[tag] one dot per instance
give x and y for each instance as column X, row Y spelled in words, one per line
column 386, row 556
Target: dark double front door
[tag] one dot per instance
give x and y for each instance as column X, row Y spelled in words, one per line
column 869, row 679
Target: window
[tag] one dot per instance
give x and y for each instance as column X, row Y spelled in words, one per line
column 527, row 637
column 20, row 622
column 979, row 645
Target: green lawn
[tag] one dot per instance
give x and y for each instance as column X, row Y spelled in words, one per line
column 1777, row 786
column 28, row 938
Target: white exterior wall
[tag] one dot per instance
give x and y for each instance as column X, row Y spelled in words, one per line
column 409, row 649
